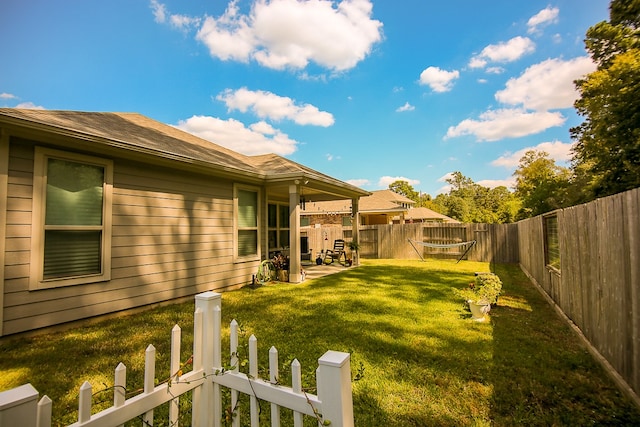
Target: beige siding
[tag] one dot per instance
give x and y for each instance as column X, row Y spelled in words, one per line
column 172, row 237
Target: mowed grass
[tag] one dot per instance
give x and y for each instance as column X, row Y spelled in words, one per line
column 425, row 362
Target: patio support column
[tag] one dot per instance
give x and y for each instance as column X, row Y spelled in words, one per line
column 355, row 225
column 294, row 234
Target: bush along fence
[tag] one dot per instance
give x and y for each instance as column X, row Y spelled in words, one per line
column 333, row 404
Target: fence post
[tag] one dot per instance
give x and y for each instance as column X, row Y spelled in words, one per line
column 206, row 302
column 44, row 412
column 19, row 406
column 334, row 388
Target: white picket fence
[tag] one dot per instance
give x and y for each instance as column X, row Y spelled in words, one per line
column 333, row 403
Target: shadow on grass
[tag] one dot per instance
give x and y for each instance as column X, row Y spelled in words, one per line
column 426, row 362
column 542, row 374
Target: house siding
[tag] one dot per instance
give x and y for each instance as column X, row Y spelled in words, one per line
column 172, row 237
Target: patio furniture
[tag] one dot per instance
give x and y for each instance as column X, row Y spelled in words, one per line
column 336, row 253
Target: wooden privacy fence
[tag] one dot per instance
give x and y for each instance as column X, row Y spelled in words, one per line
column 494, row 242
column 333, row 403
column 597, row 284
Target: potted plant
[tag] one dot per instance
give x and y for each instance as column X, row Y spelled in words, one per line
column 481, row 294
column 281, row 263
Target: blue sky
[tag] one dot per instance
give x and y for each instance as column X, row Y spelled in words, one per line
column 366, row 91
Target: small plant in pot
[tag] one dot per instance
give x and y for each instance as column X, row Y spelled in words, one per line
column 481, row 294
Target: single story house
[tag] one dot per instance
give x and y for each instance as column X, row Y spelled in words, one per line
column 379, row 207
column 104, row 212
column 423, row 214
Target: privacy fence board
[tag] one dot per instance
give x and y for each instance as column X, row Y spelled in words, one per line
column 494, row 242
column 597, row 285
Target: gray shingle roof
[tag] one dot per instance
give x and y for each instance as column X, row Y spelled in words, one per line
column 138, row 133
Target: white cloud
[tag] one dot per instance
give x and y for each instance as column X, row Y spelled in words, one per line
column 269, row 105
column 229, row 37
column 547, row 85
column 546, row 16
column 384, row 181
column 493, row 183
column 282, row 34
column 508, row 51
column 557, row 150
column 184, row 22
column 159, row 11
column 494, row 125
column 259, row 138
column 437, row 79
column 263, row 128
column 445, row 177
column 446, row 188
column 362, row 182
column 30, row 106
column 5, row 95
column 405, row 107
column 494, row 70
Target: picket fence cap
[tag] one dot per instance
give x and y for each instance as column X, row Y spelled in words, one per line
column 17, row 396
column 334, row 358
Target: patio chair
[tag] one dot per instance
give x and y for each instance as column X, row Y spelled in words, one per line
column 336, row 253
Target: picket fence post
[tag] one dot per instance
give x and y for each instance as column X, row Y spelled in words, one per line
column 207, row 302
column 333, row 378
column 19, row 406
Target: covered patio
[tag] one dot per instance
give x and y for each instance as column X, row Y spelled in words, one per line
column 289, row 192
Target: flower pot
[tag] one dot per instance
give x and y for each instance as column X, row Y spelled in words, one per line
column 478, row 310
column 283, row 275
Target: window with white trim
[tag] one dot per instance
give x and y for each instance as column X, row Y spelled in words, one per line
column 247, row 222
column 71, row 234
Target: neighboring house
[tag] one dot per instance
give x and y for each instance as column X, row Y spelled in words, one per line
column 380, row 207
column 423, row 214
column 104, row 212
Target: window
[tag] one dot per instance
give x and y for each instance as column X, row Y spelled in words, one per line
column 71, row 236
column 246, row 203
column 278, row 222
column 551, row 242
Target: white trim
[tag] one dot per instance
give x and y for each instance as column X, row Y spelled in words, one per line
column 36, row 280
column 258, row 228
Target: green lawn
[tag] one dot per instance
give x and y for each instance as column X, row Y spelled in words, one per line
column 426, row 363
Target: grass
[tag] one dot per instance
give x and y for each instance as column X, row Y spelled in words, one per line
column 426, row 363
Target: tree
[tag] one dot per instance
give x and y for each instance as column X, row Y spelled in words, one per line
column 404, row 188
column 540, row 184
column 468, row 201
column 607, row 153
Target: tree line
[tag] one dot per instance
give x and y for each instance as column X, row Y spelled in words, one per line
column 606, row 154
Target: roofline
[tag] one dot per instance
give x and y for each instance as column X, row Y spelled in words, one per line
column 29, row 128
column 26, row 128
